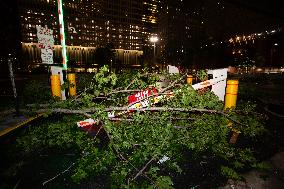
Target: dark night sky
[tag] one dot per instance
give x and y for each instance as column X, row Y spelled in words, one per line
column 9, row 27
column 234, row 17
column 271, row 8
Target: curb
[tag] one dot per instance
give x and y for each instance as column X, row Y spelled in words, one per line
column 10, row 129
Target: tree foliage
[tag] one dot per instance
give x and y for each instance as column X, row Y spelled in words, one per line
column 142, row 148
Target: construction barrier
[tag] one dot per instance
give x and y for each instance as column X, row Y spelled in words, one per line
column 189, row 79
column 72, row 84
column 231, row 94
column 55, row 85
column 231, row 102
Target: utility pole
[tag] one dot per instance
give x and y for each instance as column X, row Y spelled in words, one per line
column 10, row 64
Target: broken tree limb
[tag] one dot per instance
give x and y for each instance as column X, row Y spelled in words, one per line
column 123, row 91
column 173, row 84
column 91, row 110
column 141, row 170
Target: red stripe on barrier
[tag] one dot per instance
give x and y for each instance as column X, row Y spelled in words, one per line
column 206, row 83
column 231, row 94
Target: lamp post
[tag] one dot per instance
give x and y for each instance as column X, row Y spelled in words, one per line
column 272, row 51
column 154, row 40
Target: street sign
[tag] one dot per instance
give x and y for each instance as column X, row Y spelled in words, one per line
column 140, row 99
column 45, row 43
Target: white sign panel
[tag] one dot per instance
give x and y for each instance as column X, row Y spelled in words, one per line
column 58, row 70
column 218, row 83
column 45, row 43
column 172, row 69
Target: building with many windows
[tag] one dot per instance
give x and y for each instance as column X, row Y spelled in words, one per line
column 174, row 30
column 194, row 33
column 121, row 24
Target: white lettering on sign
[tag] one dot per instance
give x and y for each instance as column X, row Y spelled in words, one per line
column 139, row 96
column 86, row 122
column 45, row 43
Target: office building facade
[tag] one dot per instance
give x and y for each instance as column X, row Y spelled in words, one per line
column 89, row 24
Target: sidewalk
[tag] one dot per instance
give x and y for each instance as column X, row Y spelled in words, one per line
column 9, row 121
column 254, row 179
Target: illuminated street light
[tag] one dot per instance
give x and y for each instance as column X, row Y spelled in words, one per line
column 154, row 40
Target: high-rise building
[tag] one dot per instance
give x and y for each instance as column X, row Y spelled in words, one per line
column 174, row 30
column 151, row 9
column 125, row 24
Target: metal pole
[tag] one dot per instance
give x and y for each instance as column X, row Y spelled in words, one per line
column 62, row 40
column 13, row 86
column 62, row 34
column 271, row 56
column 154, row 52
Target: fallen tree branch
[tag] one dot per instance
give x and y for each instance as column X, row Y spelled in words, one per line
column 68, row 168
column 124, row 91
column 121, row 157
column 135, row 80
column 49, row 180
column 91, row 110
column 173, row 84
column 165, row 109
column 126, row 109
column 141, row 170
column 228, row 117
column 37, row 105
column 125, row 119
column 130, row 84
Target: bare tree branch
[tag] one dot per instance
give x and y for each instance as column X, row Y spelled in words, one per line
column 124, row 91
column 49, row 180
column 173, row 84
column 91, row 110
column 121, row 157
column 166, row 109
column 130, row 84
column 136, row 79
column 141, row 170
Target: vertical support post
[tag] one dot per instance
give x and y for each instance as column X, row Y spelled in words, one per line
column 154, row 53
column 231, row 102
column 63, row 45
column 189, row 79
column 72, row 82
column 13, row 86
column 58, row 70
column 55, row 85
column 231, row 94
column 62, row 34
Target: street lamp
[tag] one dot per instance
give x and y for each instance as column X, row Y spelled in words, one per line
column 154, row 39
column 272, row 51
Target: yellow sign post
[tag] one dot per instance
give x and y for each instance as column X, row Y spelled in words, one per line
column 72, row 84
column 55, row 85
column 231, row 102
column 189, row 79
